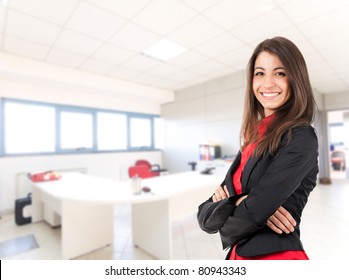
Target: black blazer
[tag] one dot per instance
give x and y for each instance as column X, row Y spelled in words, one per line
column 270, row 181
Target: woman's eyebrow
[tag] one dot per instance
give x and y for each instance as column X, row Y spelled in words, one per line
column 277, row 68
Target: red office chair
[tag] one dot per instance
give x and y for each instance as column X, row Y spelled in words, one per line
column 154, row 168
column 142, row 171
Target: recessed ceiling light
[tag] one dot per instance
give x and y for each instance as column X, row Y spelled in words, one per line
column 3, row 2
column 164, row 50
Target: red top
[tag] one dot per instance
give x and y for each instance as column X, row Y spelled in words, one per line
column 245, row 155
column 247, row 152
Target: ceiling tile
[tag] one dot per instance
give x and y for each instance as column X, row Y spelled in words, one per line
column 331, row 39
column 164, row 70
column 145, row 79
column 142, row 63
column 237, row 58
column 229, row 14
column 167, row 84
column 81, row 21
column 336, row 55
column 164, row 16
column 26, row 27
column 299, row 10
column 196, row 81
column 65, row 58
column 113, row 54
column 187, row 59
column 249, row 32
column 342, row 70
column 334, row 83
column 292, row 33
column 201, row 27
column 221, row 72
column 345, row 77
column 97, row 66
column 125, row 9
column 323, row 76
column 77, row 43
column 24, row 48
column 200, row 5
column 315, row 68
column 334, row 88
column 134, row 38
column 124, row 73
column 184, row 76
column 219, row 45
column 208, row 67
column 49, row 10
column 306, row 48
column 314, row 60
column 329, row 23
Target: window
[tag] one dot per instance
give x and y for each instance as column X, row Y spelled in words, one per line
column 111, row 131
column 76, row 131
column 140, row 133
column 28, row 128
column 336, row 133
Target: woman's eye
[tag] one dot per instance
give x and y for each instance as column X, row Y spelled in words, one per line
column 281, row 74
column 258, row 73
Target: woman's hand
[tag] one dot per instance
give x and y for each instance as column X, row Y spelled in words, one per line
column 281, row 221
column 220, row 193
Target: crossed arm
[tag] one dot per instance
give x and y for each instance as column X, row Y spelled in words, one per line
column 280, row 222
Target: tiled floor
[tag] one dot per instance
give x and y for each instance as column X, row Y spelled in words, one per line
column 325, row 232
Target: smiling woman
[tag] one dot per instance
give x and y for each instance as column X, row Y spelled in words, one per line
column 258, row 207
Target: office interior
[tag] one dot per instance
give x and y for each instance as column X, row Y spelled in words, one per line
column 90, row 54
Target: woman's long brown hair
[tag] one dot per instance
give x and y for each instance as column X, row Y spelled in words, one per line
column 298, row 110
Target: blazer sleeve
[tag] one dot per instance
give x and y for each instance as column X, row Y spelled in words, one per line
column 295, row 158
column 212, row 215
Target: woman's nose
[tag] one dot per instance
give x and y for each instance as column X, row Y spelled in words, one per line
column 268, row 81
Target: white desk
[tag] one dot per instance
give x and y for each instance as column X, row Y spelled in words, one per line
column 83, row 205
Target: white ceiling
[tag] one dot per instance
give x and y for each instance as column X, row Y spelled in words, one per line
column 106, row 37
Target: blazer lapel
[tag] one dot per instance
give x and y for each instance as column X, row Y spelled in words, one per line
column 250, row 164
column 228, row 181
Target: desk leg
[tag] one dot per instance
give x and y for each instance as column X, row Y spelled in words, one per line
column 37, row 206
column 85, row 228
column 151, row 228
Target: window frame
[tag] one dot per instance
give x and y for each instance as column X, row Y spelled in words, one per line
column 141, row 116
column 59, row 108
column 127, row 130
column 3, row 127
column 71, row 109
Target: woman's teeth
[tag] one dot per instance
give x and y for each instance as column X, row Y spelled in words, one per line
column 270, row 94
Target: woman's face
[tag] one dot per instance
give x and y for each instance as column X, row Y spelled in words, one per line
column 270, row 83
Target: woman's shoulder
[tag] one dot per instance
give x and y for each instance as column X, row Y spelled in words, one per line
column 302, row 136
column 305, row 130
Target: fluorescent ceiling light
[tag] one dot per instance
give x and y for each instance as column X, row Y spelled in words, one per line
column 164, row 50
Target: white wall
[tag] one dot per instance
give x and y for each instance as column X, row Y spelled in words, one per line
column 210, row 111
column 30, row 80
column 336, row 101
